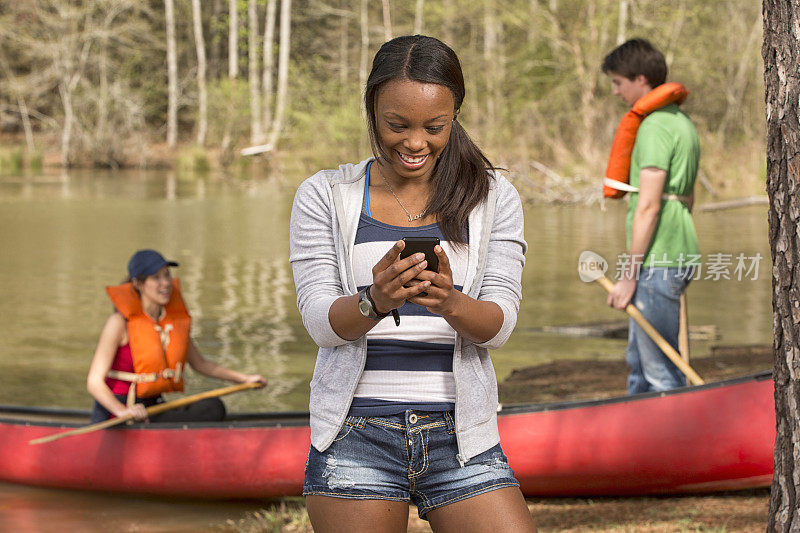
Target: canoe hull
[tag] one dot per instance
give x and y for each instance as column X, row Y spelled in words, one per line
column 704, row 439
column 711, row 439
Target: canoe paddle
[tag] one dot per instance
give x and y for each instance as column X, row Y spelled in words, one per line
column 152, row 410
column 589, row 271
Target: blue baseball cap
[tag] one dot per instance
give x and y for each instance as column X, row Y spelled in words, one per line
column 146, row 263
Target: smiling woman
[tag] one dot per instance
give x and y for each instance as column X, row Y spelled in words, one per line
column 405, row 410
column 145, row 346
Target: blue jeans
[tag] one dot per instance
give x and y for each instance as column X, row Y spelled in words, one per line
column 657, row 296
column 406, row 457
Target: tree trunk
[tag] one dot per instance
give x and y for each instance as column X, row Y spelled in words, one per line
column 21, row 105
column 735, row 90
column 269, row 63
column 26, row 123
column 387, row 21
column 200, row 44
column 344, row 47
column 66, row 132
column 418, row 12
column 102, row 97
column 233, row 40
column 622, row 23
column 253, row 77
column 283, row 71
column 172, row 74
column 364, row 55
column 781, row 54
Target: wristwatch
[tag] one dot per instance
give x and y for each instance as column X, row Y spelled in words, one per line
column 367, row 306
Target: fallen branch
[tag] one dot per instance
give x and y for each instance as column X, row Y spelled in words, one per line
column 732, row 204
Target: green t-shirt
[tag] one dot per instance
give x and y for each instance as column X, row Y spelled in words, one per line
column 667, row 139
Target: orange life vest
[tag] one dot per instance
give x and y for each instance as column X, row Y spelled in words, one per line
column 158, row 349
column 615, row 185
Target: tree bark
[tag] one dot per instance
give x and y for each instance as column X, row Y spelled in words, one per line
column 233, row 40
column 269, row 63
column 172, row 75
column 200, row 45
column 283, row 71
column 781, row 54
column 253, row 77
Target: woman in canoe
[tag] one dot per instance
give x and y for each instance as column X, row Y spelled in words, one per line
column 144, row 348
column 403, row 409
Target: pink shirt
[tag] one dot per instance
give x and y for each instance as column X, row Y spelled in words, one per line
column 123, row 360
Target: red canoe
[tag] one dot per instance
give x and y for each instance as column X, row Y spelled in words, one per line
column 714, row 437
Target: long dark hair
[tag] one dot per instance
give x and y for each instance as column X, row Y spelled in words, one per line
column 461, row 174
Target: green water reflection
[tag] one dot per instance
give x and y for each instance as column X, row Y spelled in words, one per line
column 65, row 238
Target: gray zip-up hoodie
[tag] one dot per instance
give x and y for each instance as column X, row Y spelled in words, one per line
column 322, row 234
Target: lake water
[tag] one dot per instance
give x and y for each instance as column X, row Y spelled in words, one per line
column 64, row 238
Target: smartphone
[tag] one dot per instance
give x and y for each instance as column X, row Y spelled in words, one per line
column 424, row 245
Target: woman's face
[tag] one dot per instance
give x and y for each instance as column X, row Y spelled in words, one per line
column 413, row 126
column 156, row 288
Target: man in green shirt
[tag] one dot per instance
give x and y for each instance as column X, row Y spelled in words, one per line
column 661, row 238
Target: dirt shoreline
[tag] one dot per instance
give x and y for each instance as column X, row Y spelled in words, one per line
column 578, row 379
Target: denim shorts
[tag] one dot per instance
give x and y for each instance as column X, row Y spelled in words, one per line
column 404, row 457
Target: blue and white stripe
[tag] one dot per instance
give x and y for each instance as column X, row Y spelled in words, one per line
column 410, row 366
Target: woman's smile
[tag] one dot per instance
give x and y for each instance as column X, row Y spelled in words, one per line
column 412, row 162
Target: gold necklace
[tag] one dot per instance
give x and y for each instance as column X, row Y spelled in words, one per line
column 411, row 218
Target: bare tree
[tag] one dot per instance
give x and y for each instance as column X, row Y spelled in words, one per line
column 364, row 53
column 172, row 75
column 200, row 45
column 16, row 88
column 269, row 62
column 344, row 44
column 781, row 53
column 253, row 78
column 622, row 23
column 418, row 17
column 233, row 68
column 233, row 39
column 283, row 72
column 387, row 21
column 734, row 91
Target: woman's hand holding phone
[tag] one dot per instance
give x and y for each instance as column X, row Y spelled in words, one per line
column 440, row 296
column 391, row 275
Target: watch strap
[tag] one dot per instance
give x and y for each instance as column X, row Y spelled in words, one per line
column 369, row 299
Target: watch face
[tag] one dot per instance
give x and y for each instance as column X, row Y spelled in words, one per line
column 364, row 306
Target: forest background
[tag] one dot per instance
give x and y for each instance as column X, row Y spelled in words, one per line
column 190, row 83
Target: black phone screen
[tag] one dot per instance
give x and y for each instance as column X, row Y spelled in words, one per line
column 424, row 245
